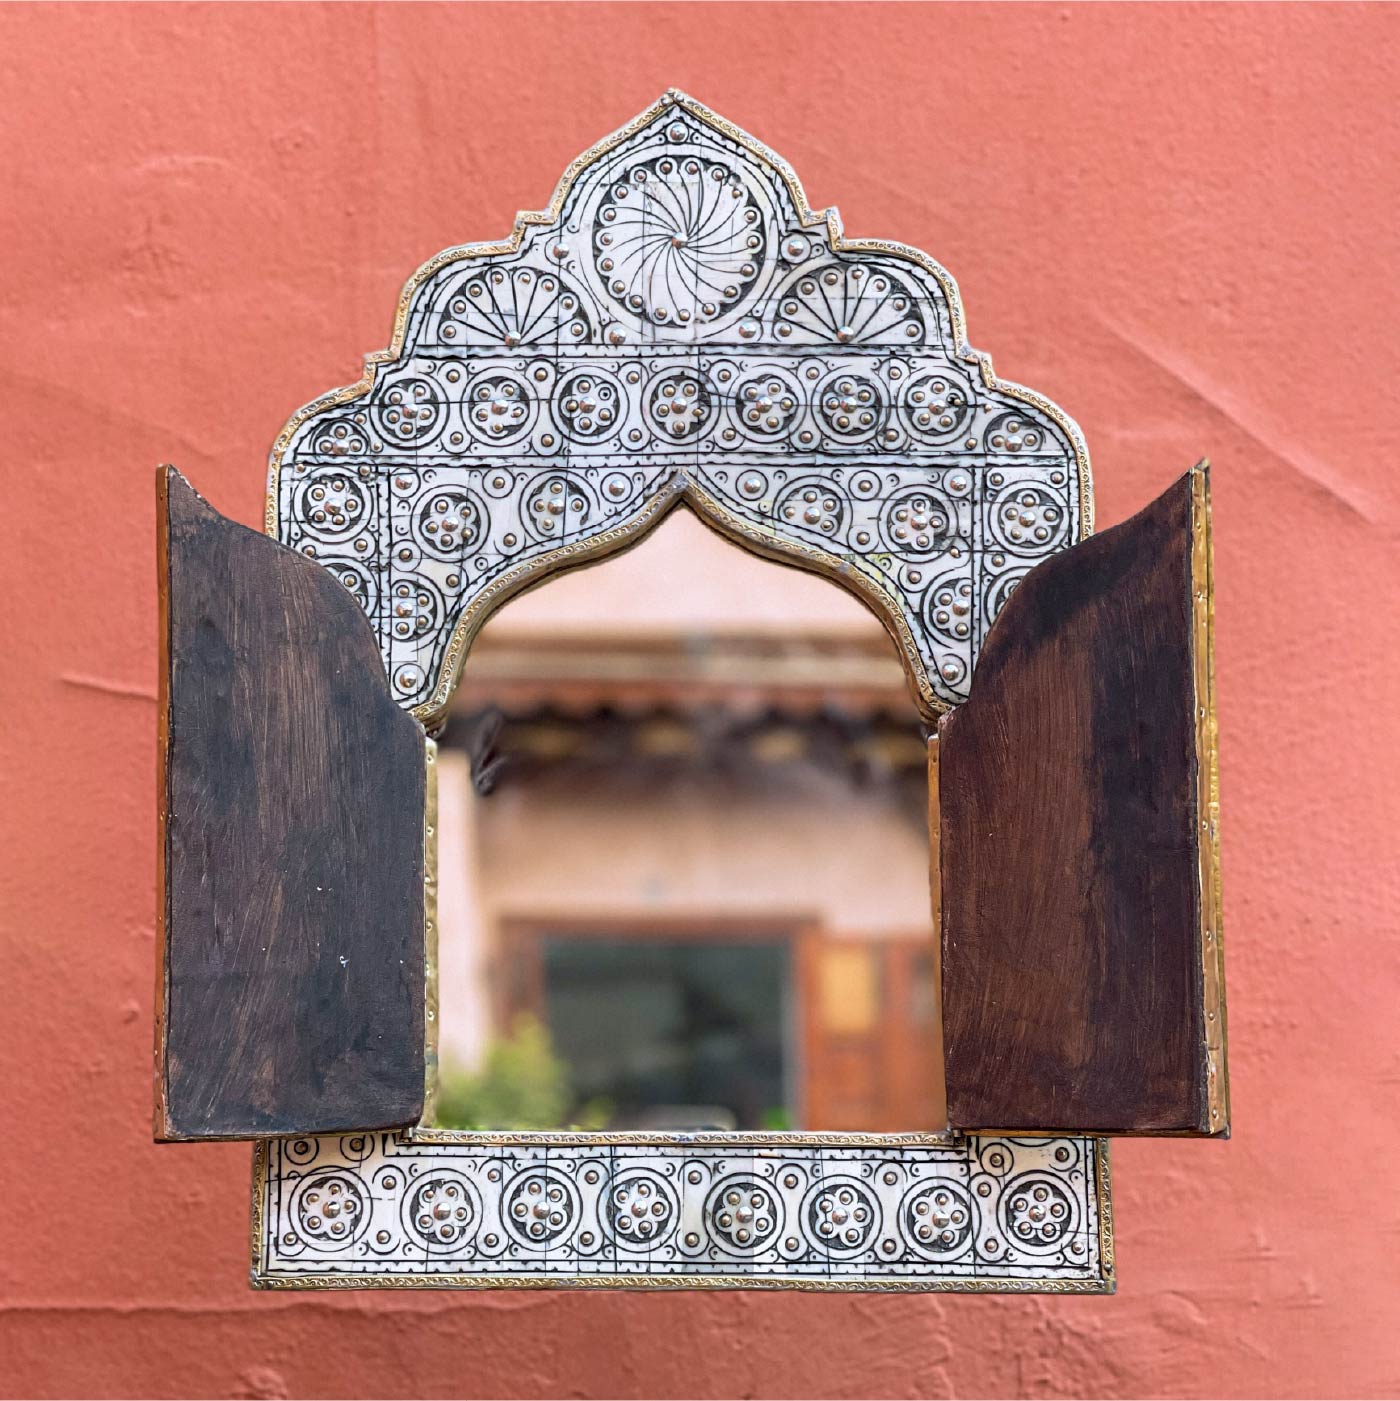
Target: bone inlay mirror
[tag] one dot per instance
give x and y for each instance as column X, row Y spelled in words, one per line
column 678, row 329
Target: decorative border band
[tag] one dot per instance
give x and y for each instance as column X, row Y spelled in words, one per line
column 987, row 1215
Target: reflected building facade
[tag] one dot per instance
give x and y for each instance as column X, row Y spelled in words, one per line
column 684, row 857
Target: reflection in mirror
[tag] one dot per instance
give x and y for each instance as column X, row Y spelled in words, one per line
column 683, row 858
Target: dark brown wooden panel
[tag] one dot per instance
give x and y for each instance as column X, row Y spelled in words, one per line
column 1081, row 942
column 291, row 994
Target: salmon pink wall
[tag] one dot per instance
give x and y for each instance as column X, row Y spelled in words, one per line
column 1179, row 222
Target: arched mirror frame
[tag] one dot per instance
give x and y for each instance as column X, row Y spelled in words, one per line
column 884, row 1185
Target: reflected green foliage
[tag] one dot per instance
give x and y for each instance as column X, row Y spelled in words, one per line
column 522, row 1085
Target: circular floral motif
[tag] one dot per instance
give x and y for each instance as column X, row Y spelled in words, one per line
column 841, row 1215
column 1015, row 434
column 588, row 405
column 330, row 1208
column 443, row 1210
column 332, row 504
column 640, row 1209
column 499, row 407
column 917, row 523
column 450, row 522
column 541, row 1206
column 939, row 1219
column 767, row 403
column 814, row 504
column 1028, row 519
column 678, row 239
column 680, row 406
column 948, row 609
column 557, row 503
column 936, row 406
column 415, row 607
column 744, row 1214
column 1036, row 1212
column 850, row 406
column 339, row 437
column 410, row 411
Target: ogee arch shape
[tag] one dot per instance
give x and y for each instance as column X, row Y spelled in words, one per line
column 679, row 324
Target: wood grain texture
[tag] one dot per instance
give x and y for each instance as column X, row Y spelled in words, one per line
column 1071, row 847
column 291, row 994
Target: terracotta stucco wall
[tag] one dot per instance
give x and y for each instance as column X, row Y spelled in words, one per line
column 1179, row 222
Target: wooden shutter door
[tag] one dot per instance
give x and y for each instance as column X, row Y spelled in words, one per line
column 1082, row 978
column 291, row 995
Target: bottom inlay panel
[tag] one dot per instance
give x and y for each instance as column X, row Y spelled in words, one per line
column 983, row 1214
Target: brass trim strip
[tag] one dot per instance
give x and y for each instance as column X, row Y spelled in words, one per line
column 935, row 889
column 256, row 1218
column 430, row 930
column 901, row 1284
column 758, row 1139
column 1208, row 801
column 1107, row 1266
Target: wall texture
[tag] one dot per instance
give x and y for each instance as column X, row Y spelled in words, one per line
column 1178, row 221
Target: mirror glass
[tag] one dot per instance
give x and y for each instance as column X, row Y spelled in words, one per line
column 683, row 857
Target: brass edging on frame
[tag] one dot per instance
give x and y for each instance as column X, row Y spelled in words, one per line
column 1105, row 1283
column 255, row 1221
column 430, row 929
column 899, row 1284
column 1107, row 1270
column 1208, row 801
column 432, row 711
column 935, row 895
column 759, row 1141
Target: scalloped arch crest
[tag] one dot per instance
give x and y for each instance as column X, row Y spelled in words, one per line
column 678, row 324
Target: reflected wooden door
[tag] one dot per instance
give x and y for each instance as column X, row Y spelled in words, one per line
column 871, row 1044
